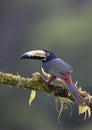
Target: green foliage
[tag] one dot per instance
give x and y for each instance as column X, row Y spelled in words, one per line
column 64, row 103
column 32, row 97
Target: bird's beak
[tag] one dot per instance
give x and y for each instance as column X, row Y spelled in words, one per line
column 35, row 54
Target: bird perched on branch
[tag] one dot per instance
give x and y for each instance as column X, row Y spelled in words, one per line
column 55, row 68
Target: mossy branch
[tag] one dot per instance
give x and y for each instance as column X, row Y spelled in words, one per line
column 37, row 83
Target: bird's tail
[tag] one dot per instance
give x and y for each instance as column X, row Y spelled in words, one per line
column 74, row 92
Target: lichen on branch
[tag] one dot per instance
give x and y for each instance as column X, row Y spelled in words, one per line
column 37, row 82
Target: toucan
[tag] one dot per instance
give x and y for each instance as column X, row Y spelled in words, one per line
column 55, row 68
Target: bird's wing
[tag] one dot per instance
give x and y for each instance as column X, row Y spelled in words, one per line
column 58, row 67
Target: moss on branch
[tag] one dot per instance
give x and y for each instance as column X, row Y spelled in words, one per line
column 37, row 83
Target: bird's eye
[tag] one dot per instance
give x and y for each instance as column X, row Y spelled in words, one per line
column 48, row 54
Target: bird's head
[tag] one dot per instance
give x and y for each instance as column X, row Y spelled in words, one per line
column 43, row 55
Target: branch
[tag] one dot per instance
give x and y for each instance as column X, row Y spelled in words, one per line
column 37, row 83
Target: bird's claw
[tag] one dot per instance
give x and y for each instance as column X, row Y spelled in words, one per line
column 46, row 83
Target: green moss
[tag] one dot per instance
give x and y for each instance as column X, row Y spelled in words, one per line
column 37, row 83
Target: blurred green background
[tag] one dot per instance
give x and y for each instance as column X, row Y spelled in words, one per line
column 64, row 26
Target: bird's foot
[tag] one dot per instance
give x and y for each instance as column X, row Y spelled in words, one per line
column 46, row 83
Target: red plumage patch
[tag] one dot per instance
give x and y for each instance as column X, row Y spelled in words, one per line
column 67, row 79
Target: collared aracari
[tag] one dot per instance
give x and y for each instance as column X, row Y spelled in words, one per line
column 54, row 67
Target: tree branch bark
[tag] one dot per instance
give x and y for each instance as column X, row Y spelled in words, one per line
column 37, row 82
